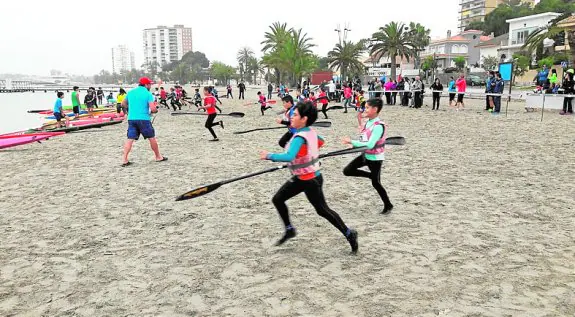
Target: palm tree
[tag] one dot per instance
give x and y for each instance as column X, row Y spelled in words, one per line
column 254, row 67
column 552, row 30
column 420, row 38
column 392, row 40
column 297, row 53
column 278, row 34
column 274, row 39
column 345, row 56
column 243, row 57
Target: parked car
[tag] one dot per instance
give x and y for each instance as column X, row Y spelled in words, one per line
column 474, row 80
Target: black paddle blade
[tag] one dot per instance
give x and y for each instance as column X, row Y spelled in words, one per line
column 395, row 140
column 335, row 108
column 322, row 124
column 235, row 114
column 200, row 191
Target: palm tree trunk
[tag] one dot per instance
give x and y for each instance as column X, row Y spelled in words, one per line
column 278, row 76
column 393, row 58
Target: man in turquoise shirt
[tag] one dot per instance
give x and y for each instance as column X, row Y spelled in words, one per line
column 141, row 103
column 372, row 140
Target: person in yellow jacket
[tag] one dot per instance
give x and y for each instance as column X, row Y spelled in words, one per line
column 119, row 100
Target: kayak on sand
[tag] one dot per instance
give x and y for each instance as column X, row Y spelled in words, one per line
column 7, row 141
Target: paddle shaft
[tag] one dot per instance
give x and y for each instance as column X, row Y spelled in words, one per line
column 231, row 114
column 321, row 124
column 209, row 188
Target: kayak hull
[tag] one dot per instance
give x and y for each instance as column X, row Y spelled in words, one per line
column 15, row 140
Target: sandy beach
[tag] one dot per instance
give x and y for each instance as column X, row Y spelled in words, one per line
column 483, row 222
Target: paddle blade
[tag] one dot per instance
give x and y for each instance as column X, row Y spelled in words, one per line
column 273, row 102
column 395, row 140
column 335, row 108
column 236, row 114
column 200, row 191
column 322, row 124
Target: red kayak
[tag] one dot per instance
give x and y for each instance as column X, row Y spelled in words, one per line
column 7, row 141
column 75, row 123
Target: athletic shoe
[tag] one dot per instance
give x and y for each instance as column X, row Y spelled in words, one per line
column 290, row 233
column 352, row 239
column 387, row 209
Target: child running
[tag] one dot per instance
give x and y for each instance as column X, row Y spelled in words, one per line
column 302, row 152
column 324, row 102
column 163, row 97
column 198, row 99
column 312, row 98
column 373, row 137
column 263, row 103
column 286, row 120
column 210, row 107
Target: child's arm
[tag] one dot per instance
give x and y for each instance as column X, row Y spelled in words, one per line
column 290, row 154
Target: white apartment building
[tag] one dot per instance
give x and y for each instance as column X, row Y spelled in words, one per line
column 122, row 59
column 521, row 28
column 166, row 44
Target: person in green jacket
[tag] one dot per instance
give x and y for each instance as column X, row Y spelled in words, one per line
column 76, row 101
column 553, row 78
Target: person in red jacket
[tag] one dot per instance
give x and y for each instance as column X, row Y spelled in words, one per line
column 461, row 87
column 324, row 102
column 210, row 107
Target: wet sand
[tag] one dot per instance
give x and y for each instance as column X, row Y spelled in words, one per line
column 482, row 226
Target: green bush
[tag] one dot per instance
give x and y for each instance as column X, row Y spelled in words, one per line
column 548, row 61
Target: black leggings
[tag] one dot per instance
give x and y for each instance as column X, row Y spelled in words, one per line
column 353, row 169
column 241, row 94
column 324, row 110
column 285, row 139
column 210, row 123
column 175, row 103
column 314, row 193
column 568, row 104
column 263, row 109
column 436, row 100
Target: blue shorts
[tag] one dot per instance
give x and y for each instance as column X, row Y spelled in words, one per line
column 58, row 116
column 143, row 127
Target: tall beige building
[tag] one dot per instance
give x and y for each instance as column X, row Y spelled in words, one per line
column 166, row 44
column 476, row 10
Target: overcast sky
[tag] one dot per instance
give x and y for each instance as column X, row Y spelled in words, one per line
column 76, row 37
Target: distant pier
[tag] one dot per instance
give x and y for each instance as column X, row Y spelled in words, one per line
column 20, row 86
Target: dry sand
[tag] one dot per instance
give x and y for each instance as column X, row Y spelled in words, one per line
column 482, row 226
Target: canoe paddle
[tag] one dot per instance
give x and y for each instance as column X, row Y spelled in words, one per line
column 271, row 102
column 321, row 124
column 231, row 114
column 200, row 191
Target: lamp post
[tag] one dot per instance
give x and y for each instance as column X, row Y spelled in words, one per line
column 345, row 30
